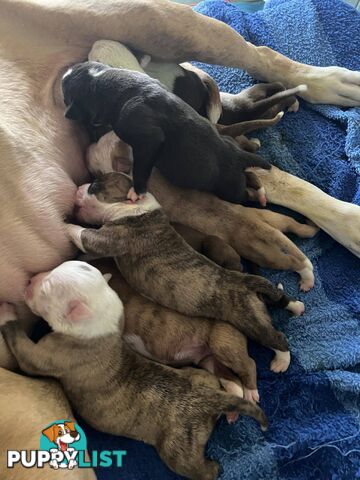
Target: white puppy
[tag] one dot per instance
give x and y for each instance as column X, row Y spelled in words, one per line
column 90, row 298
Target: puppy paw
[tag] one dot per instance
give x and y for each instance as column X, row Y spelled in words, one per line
column 281, row 362
column 262, row 196
column 256, row 141
column 7, row 313
column 81, row 194
column 296, row 307
column 232, row 417
column 306, row 285
column 73, row 233
column 251, row 395
column 307, row 279
column 133, row 196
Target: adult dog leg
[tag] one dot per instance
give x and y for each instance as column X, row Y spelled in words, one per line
column 27, row 406
column 175, row 32
column 339, row 219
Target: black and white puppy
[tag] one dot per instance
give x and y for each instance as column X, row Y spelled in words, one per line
column 161, row 129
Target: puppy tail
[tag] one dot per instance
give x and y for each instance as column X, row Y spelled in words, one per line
column 223, row 403
column 272, row 295
column 249, row 159
column 283, row 99
column 237, row 129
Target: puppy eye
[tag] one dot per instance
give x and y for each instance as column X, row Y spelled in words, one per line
column 59, row 432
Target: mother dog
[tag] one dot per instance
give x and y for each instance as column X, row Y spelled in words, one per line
column 41, row 154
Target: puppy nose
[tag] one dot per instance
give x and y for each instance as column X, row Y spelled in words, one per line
column 95, row 187
column 74, row 434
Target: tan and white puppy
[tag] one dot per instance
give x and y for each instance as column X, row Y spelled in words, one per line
column 191, row 84
column 65, row 309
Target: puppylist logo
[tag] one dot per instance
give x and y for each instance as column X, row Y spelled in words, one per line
column 63, row 444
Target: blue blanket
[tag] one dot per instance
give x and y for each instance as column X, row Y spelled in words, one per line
column 314, row 407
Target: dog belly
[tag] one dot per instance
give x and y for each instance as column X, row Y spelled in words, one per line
column 41, row 161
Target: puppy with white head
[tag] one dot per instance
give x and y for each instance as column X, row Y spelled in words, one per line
column 76, row 310
column 113, row 388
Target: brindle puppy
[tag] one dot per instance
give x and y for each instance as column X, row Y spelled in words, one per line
column 113, row 388
column 158, row 263
column 169, row 337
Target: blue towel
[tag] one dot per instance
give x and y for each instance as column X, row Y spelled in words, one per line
column 314, row 407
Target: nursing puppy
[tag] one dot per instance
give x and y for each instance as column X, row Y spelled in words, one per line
column 114, row 389
column 161, row 129
column 159, row 264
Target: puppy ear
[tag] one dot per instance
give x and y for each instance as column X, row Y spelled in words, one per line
column 71, row 426
column 73, row 112
column 107, row 277
column 51, row 433
column 78, row 311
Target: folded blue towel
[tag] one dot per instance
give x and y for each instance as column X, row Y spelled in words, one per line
column 314, row 407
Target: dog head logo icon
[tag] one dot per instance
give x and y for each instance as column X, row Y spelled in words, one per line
column 59, row 439
column 63, row 444
column 62, row 434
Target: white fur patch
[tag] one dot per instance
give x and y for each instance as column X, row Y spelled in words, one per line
column 281, row 361
column 214, row 112
column 94, row 72
column 166, row 73
column 307, row 276
column 144, row 62
column 67, row 73
column 114, row 54
column 109, row 154
column 296, row 307
column 56, row 291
